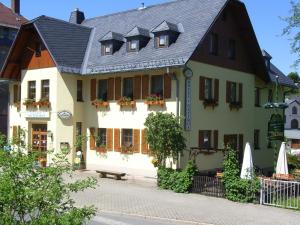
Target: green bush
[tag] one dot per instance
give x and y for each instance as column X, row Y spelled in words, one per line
column 293, row 162
column 237, row 189
column 177, row 181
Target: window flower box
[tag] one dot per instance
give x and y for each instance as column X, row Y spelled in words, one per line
column 126, row 150
column 101, row 149
column 30, row 103
column 210, row 103
column 44, row 102
column 235, row 105
column 126, row 102
column 17, row 104
column 155, row 101
column 100, row 103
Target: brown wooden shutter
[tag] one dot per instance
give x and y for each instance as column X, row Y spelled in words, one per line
column 16, row 91
column 117, row 141
column 228, row 91
column 145, row 86
column 137, row 88
column 167, row 86
column 216, row 139
column 216, row 90
column 109, row 139
column 145, row 149
column 136, row 141
column 93, row 89
column 201, row 139
column 201, row 88
column 92, row 138
column 117, row 88
column 241, row 93
column 110, row 89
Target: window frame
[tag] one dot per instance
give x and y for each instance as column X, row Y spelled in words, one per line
column 105, row 46
column 208, row 90
column 136, row 49
column 127, row 143
column 160, row 37
column 124, row 89
column 79, row 90
column 103, row 140
column 233, row 92
column 256, row 139
column 98, row 90
column 45, row 91
column 31, row 90
column 294, row 110
column 152, row 86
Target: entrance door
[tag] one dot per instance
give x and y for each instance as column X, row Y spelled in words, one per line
column 39, row 137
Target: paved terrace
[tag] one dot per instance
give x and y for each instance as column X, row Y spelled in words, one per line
column 143, row 198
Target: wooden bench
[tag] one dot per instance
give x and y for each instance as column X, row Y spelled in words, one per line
column 104, row 173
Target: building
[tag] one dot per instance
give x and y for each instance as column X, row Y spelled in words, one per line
column 10, row 21
column 101, row 77
column 292, row 120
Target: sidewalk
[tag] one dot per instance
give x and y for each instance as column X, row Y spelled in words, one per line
column 143, row 198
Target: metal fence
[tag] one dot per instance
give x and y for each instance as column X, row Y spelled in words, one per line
column 211, row 186
column 280, row 193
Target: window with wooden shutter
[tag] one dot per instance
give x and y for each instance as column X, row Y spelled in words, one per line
column 241, row 94
column 137, row 88
column 117, row 88
column 167, row 86
column 200, row 139
column 205, row 139
column 109, row 139
column 216, row 139
column 228, row 91
column 201, row 88
column 216, row 90
column 136, row 141
column 145, row 86
column 92, row 138
column 117, row 140
column 145, row 149
column 93, row 89
column 111, row 89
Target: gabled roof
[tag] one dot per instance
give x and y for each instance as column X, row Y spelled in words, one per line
column 138, row 31
column 10, row 19
column 166, row 26
column 296, row 99
column 112, row 36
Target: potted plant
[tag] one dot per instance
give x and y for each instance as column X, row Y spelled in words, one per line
column 100, row 103
column 155, row 100
column 17, row 104
column 126, row 101
column 30, row 102
column 235, row 105
column 127, row 149
column 44, row 102
column 210, row 103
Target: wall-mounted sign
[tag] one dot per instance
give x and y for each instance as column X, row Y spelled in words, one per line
column 37, row 114
column 276, row 128
column 64, row 115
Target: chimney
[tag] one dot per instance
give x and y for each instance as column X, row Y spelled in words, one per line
column 15, row 6
column 267, row 58
column 142, row 6
column 77, row 17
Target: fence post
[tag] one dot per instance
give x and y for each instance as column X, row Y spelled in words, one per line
column 261, row 191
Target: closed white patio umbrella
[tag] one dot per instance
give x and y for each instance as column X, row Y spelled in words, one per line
column 282, row 165
column 247, row 167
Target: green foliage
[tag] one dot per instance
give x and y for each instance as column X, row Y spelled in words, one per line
column 237, row 189
column 293, row 162
column 178, row 181
column 33, row 195
column 294, row 76
column 165, row 136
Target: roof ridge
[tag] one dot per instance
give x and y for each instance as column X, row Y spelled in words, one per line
column 132, row 10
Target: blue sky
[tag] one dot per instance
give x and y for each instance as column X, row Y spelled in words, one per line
column 264, row 16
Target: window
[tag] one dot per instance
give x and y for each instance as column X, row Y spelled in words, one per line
column 294, row 124
column 101, row 138
column 31, row 90
column 17, row 93
column 294, row 110
column 127, row 139
column 206, row 139
column 157, row 85
column 38, row 49
column 162, row 41
column 102, row 90
column 233, row 92
column 208, row 89
column 231, row 49
column 79, row 91
column 128, row 87
column 270, row 96
column 214, row 44
column 257, row 97
column 45, row 90
column 256, row 139
column 107, row 49
column 133, row 45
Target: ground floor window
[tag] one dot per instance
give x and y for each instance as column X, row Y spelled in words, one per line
column 256, row 139
column 127, row 138
column 101, row 138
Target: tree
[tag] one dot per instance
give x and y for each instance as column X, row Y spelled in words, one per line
column 165, row 136
column 294, row 76
column 33, row 195
column 292, row 28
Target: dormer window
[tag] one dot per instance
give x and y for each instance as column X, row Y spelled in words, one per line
column 111, row 42
column 137, row 39
column 165, row 34
column 107, row 49
column 133, row 45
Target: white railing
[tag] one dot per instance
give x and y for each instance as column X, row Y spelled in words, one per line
column 280, row 193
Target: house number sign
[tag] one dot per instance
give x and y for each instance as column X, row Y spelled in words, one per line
column 188, row 99
column 64, row 115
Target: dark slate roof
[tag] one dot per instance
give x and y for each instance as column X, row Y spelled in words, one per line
column 66, row 42
column 266, row 54
column 193, row 16
column 165, row 26
column 112, row 36
column 282, row 78
column 138, row 31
